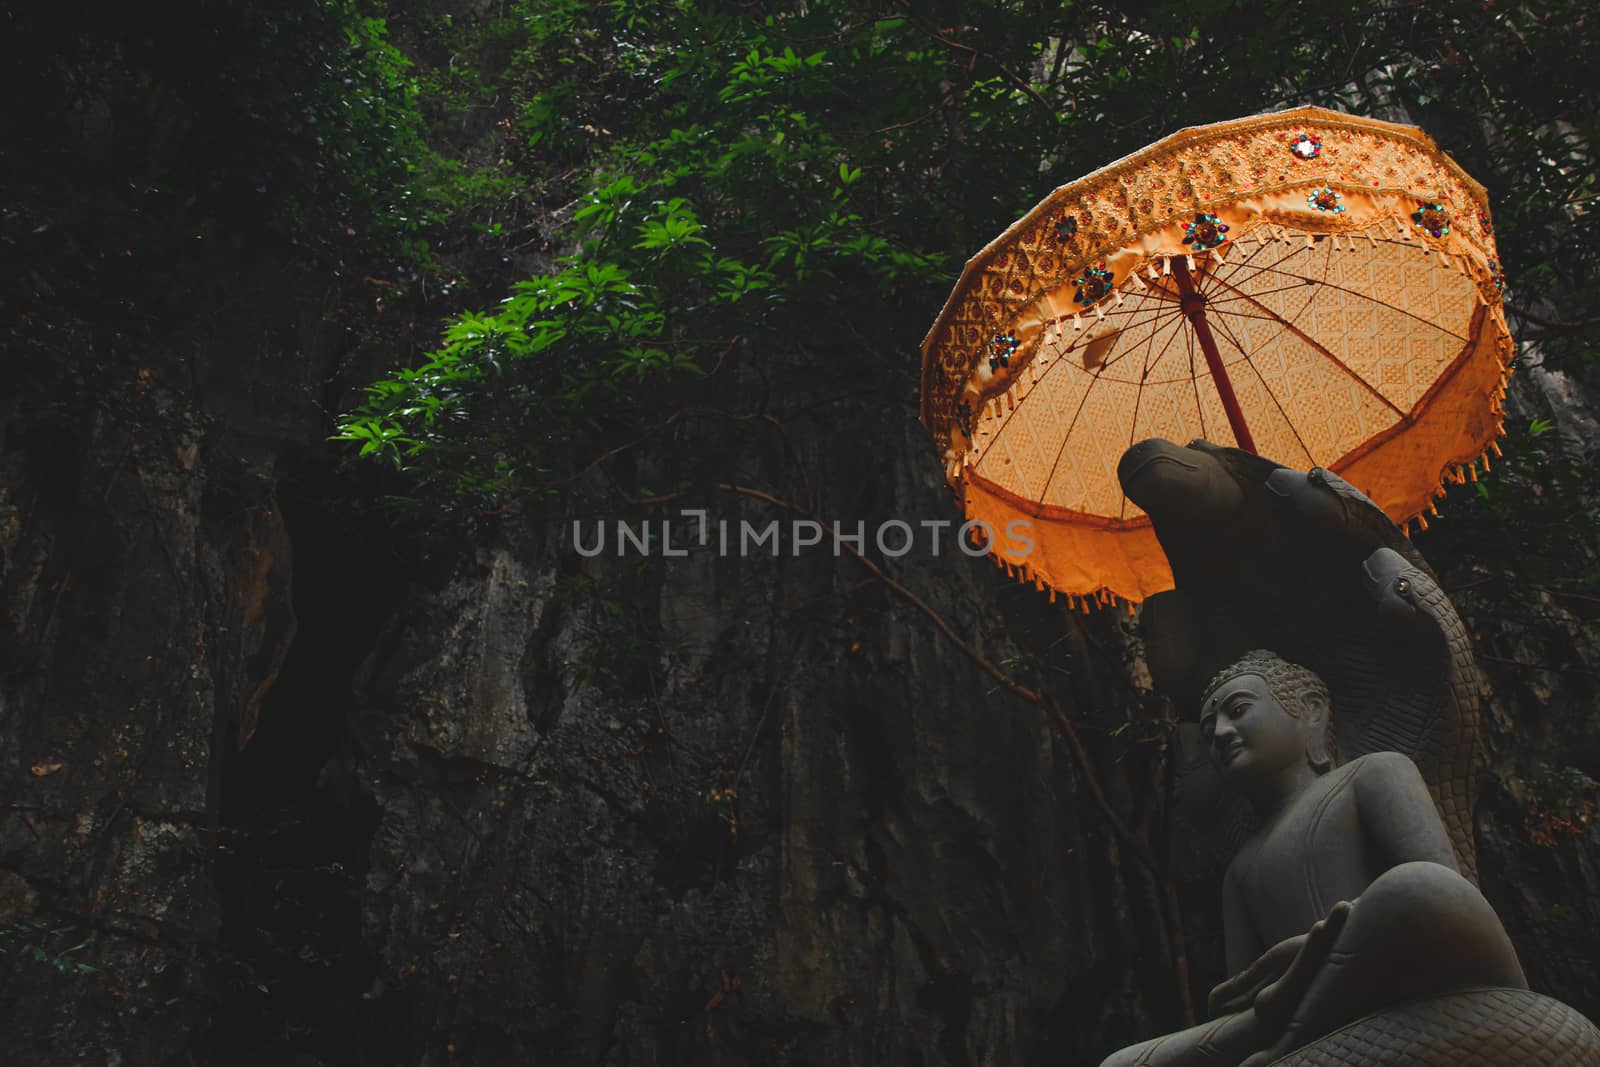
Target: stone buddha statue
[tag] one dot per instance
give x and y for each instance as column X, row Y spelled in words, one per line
column 1354, row 932
column 1344, row 901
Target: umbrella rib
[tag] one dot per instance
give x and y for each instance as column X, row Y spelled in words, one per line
column 1213, row 276
column 1015, row 289
column 1122, row 513
column 1006, row 421
column 1286, row 325
column 1361, row 295
column 1044, row 493
column 1155, row 312
column 1257, row 270
column 1140, row 315
column 1144, row 375
column 1155, row 295
column 1287, row 421
column 1261, row 246
column 1235, row 283
column 1244, row 315
column 1120, row 356
column 1084, row 399
column 1133, row 423
column 1247, row 261
column 1299, row 284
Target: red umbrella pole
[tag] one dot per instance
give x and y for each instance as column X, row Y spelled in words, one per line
column 1194, row 307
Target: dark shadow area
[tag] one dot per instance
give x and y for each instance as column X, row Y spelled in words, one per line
column 295, row 821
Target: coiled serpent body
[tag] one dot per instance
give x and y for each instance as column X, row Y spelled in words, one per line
column 1434, row 718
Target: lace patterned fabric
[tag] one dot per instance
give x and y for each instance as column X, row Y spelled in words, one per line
column 1353, row 291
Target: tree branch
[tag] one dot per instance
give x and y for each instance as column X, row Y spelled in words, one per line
column 1554, row 324
column 975, row 54
column 1043, row 700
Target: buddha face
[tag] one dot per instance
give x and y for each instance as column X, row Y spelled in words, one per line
column 1251, row 735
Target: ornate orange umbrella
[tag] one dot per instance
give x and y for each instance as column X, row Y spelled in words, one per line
column 1316, row 287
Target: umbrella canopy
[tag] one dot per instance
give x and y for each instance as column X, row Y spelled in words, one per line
column 1316, row 287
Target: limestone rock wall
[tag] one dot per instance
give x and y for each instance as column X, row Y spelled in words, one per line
column 501, row 802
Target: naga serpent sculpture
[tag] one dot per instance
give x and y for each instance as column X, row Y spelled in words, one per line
column 1303, row 563
column 1436, row 721
column 1428, row 687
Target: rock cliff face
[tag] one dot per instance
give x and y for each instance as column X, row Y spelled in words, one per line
column 145, row 570
column 322, row 797
column 708, row 809
column 283, row 782
column 287, row 781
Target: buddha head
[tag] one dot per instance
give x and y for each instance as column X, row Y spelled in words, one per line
column 1262, row 714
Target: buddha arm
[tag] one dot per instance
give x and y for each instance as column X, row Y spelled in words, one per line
column 1249, row 967
column 1240, row 943
column 1397, row 814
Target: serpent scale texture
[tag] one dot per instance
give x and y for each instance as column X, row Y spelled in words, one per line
column 1437, row 728
column 1449, row 756
column 1474, row 1028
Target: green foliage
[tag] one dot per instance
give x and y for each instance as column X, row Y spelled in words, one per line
column 303, row 125
column 1532, row 520
column 37, row 941
column 157, row 158
column 587, row 307
column 812, row 176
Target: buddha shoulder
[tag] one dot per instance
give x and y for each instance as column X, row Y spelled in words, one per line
column 1383, row 770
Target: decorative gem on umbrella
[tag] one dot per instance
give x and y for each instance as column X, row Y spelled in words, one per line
column 1434, row 219
column 1206, row 231
column 1325, row 200
column 1306, row 146
column 1483, row 221
column 964, row 417
column 1095, row 284
column 1273, row 348
column 1497, row 275
column 1002, row 346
